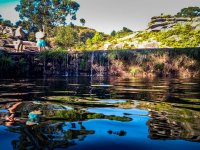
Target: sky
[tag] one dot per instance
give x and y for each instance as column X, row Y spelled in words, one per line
column 108, row 15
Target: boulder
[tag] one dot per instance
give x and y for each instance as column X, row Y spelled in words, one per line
column 196, row 19
column 2, row 43
column 1, row 28
column 197, row 27
column 119, row 45
column 8, row 31
column 106, row 45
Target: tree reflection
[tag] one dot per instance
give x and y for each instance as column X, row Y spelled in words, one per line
column 49, row 135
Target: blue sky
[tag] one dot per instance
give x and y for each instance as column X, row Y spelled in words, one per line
column 108, row 15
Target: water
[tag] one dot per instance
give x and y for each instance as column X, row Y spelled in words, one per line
column 100, row 113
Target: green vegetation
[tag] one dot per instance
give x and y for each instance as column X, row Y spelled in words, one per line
column 73, row 115
column 5, row 22
column 189, row 12
column 35, row 14
column 165, row 31
column 177, row 37
column 65, row 37
column 82, row 21
column 177, row 112
column 10, row 65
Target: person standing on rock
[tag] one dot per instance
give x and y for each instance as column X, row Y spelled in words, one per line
column 19, row 34
column 41, row 43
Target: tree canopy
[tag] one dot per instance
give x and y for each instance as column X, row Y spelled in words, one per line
column 65, row 37
column 82, row 21
column 189, row 12
column 5, row 22
column 48, row 13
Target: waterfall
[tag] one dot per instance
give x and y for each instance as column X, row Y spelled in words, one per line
column 100, row 66
column 108, row 65
column 66, row 65
column 92, row 61
column 77, row 61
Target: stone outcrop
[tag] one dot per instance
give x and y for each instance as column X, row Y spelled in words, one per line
column 7, row 31
column 8, row 41
column 166, row 22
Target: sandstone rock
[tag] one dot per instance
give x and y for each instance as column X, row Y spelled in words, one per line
column 175, row 37
column 183, row 19
column 8, row 31
column 1, row 28
column 196, row 19
column 106, row 45
column 119, row 45
column 197, row 27
column 2, row 43
column 128, row 37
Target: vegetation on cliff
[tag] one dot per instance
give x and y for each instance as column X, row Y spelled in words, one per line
column 164, row 31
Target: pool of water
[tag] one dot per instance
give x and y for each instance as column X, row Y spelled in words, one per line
column 100, row 113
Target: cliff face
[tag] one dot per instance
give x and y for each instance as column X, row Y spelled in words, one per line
column 165, row 22
column 163, row 32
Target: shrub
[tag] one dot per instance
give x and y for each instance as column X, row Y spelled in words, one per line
column 65, row 37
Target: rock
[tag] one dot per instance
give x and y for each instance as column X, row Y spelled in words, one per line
column 119, row 45
column 8, row 31
column 196, row 19
column 197, row 27
column 106, row 45
column 175, row 37
column 1, row 28
column 128, row 37
column 161, row 23
column 2, row 43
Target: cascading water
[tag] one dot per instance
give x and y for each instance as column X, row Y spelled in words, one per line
column 92, row 61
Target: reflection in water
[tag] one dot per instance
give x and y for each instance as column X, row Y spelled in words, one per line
column 100, row 114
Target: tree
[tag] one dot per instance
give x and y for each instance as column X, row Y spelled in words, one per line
column 5, row 22
column 47, row 13
column 189, row 12
column 82, row 21
column 125, row 29
column 113, row 33
column 1, row 19
column 65, row 37
column 97, row 37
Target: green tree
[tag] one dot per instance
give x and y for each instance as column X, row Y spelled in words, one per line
column 125, row 29
column 65, row 37
column 97, row 37
column 82, row 21
column 47, row 13
column 113, row 33
column 189, row 12
column 5, row 22
column 1, row 19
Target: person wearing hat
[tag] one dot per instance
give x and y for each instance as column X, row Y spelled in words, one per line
column 41, row 43
column 19, row 34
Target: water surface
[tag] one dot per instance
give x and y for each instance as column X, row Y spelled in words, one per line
column 100, row 113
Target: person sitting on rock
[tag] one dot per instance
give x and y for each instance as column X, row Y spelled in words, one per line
column 19, row 34
column 41, row 43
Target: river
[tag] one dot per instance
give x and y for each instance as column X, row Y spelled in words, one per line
column 100, row 113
